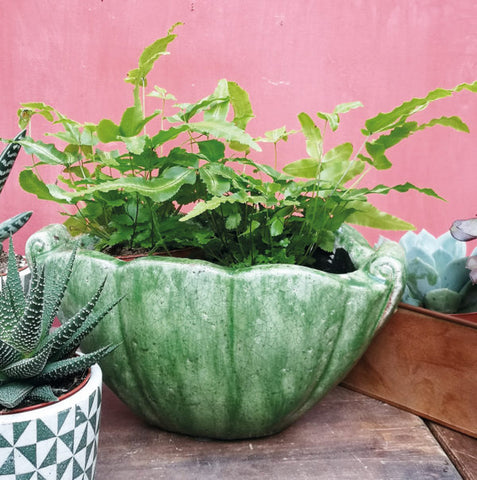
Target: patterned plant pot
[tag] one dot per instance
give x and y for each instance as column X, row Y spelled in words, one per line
column 25, row 278
column 228, row 353
column 57, row 441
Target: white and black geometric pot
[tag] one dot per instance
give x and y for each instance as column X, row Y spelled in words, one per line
column 57, row 441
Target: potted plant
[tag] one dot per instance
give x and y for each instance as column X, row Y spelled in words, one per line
column 242, row 342
column 12, row 225
column 424, row 359
column 50, row 398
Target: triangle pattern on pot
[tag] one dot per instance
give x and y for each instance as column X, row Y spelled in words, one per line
column 61, row 446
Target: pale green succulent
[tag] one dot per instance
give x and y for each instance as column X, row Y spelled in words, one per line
column 437, row 278
column 34, row 358
column 7, row 159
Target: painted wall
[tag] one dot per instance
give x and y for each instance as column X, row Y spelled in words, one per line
column 291, row 56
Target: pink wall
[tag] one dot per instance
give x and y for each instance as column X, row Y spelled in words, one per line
column 290, row 56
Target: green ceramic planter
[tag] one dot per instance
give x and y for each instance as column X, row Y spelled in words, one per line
column 215, row 352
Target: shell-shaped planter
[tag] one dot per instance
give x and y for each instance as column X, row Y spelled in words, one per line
column 216, row 352
column 56, row 441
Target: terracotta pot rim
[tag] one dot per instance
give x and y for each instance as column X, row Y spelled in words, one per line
column 46, row 404
column 178, row 253
column 466, row 319
column 21, row 269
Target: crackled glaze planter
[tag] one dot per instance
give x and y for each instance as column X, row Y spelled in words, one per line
column 56, row 441
column 216, row 352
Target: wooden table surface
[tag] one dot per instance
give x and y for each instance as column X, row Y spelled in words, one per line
column 345, row 436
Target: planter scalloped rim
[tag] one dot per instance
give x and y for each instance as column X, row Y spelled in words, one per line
column 57, row 441
column 222, row 353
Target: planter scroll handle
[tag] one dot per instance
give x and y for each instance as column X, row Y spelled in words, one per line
column 388, row 265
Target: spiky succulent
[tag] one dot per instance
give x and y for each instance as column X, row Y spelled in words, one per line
column 35, row 359
column 436, row 273
column 7, row 159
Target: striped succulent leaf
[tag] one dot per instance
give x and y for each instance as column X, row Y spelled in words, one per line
column 12, row 225
column 7, row 159
column 34, row 358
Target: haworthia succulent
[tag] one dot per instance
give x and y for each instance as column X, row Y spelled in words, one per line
column 34, row 358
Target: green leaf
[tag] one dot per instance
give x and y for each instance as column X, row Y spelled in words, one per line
column 219, row 111
column 453, row 122
column 233, row 221
column 472, row 87
column 180, row 157
column 134, row 145
column 376, row 150
column 210, row 205
column 273, row 136
column 339, row 172
column 149, row 57
column 385, row 121
column 216, row 178
column 47, row 153
column 346, row 107
column 340, row 153
column 402, row 188
column 240, row 101
column 165, row 135
column 276, row 225
column 222, row 129
column 32, row 184
column 304, row 168
column 368, row 215
column 161, row 93
column 192, row 109
column 333, row 119
column 107, row 131
column 158, row 189
column 314, row 140
column 132, row 121
column 213, row 150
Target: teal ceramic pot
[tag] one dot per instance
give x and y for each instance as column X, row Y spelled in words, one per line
column 215, row 352
column 56, row 441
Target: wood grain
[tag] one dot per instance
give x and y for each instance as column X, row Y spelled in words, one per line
column 460, row 448
column 424, row 362
column 346, row 436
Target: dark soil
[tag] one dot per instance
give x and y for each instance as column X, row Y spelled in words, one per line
column 59, row 388
column 21, row 262
column 331, row 262
column 335, row 262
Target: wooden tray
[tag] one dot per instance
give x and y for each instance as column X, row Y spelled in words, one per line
column 426, row 363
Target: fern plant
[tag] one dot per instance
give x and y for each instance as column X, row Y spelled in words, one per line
column 7, row 159
column 36, row 361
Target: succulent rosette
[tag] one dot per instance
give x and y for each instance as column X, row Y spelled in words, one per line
column 437, row 277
